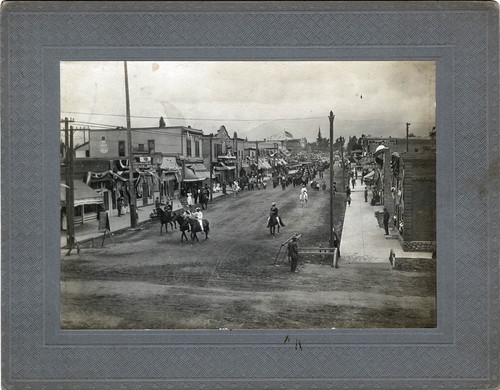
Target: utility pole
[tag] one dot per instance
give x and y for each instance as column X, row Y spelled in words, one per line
column 407, row 129
column 133, row 211
column 211, row 166
column 331, row 117
column 257, row 157
column 70, row 187
column 342, row 139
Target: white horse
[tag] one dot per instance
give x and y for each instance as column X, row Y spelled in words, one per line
column 303, row 197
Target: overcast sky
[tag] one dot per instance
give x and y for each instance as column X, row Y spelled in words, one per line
column 255, row 99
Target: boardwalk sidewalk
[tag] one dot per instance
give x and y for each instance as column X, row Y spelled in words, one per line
column 89, row 231
column 362, row 238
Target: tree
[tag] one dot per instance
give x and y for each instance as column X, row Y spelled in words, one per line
column 339, row 142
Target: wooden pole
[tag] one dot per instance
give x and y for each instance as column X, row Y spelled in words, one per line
column 331, row 117
column 211, row 167
column 133, row 211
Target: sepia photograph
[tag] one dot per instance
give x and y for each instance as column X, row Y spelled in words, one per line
column 248, row 194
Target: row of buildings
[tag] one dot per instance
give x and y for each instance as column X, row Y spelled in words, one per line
column 403, row 178
column 167, row 162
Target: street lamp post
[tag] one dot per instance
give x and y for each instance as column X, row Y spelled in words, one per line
column 331, row 117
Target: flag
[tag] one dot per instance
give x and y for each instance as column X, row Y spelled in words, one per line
column 289, row 135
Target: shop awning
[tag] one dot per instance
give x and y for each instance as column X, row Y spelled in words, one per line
column 169, row 164
column 200, row 170
column 190, row 175
column 83, row 194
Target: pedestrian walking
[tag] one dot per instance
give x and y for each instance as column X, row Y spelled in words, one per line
column 353, row 182
column 157, row 203
column 293, row 253
column 386, row 221
column 348, row 194
column 366, row 194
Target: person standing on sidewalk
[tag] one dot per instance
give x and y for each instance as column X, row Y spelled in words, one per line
column 190, row 199
column 348, row 195
column 366, row 194
column 386, row 221
column 336, row 242
column 119, row 205
column 293, row 253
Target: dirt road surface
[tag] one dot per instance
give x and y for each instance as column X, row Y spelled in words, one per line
column 150, row 281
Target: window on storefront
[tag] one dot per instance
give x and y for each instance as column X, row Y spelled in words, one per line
column 140, row 148
column 121, row 148
column 218, row 150
column 151, row 146
column 188, row 148
column 197, row 148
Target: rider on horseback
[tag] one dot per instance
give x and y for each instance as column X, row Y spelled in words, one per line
column 273, row 213
column 199, row 216
column 187, row 216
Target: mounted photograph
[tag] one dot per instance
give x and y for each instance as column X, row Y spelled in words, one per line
column 247, row 195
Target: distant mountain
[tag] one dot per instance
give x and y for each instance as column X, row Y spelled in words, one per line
column 308, row 128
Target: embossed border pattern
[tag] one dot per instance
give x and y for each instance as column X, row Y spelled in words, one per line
column 35, row 35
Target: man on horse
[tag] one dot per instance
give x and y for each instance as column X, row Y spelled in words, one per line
column 273, row 214
column 199, row 216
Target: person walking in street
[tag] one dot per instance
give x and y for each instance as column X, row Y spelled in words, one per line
column 293, row 253
column 386, row 221
column 157, row 203
column 353, row 182
column 366, row 194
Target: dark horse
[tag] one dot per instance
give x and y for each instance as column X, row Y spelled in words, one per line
column 196, row 228
column 166, row 217
column 191, row 225
column 273, row 223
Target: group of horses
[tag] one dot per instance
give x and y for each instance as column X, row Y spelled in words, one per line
column 186, row 224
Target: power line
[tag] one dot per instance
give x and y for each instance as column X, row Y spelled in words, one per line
column 197, row 119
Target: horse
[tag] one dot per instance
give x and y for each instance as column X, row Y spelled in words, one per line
column 166, row 218
column 272, row 223
column 192, row 225
column 184, row 225
column 303, row 197
column 195, row 228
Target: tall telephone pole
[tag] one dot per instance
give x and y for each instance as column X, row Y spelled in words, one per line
column 331, row 117
column 70, row 187
column 211, row 166
column 407, row 129
column 133, row 211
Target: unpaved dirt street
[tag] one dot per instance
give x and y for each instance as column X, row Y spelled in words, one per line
column 150, row 281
